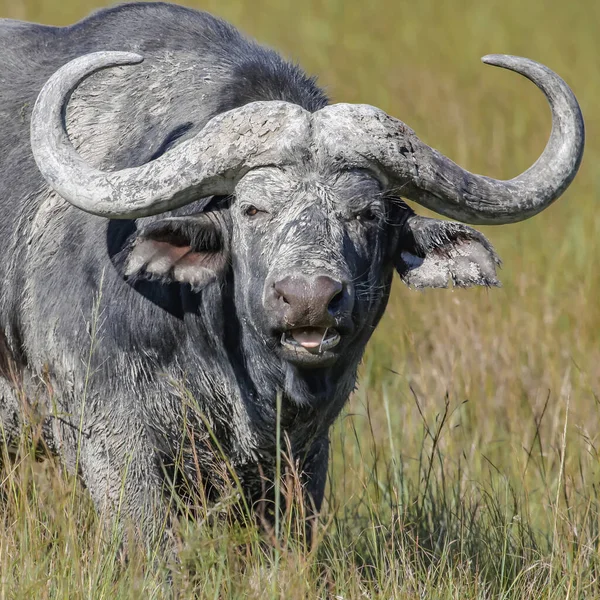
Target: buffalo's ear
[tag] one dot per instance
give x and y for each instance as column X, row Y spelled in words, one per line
column 431, row 253
column 188, row 250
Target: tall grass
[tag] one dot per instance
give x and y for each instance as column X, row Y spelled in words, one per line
column 467, row 463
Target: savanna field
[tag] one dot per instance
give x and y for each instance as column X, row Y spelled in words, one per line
column 467, row 463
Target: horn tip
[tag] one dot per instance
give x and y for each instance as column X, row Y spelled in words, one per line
column 506, row 61
column 494, row 59
column 131, row 57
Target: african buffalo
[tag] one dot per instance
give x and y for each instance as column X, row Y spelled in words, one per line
column 189, row 230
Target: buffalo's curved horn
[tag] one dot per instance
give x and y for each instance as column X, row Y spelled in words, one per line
column 362, row 134
column 210, row 163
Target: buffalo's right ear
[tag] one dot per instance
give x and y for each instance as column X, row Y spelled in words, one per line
column 189, row 249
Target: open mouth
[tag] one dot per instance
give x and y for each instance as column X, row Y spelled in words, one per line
column 313, row 340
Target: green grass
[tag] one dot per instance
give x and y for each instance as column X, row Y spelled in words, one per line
column 467, row 464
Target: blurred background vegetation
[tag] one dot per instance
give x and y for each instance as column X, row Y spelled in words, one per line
column 504, row 499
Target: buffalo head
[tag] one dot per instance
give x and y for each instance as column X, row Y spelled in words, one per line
column 306, row 210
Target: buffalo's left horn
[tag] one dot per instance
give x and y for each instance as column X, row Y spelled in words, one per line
column 210, row 163
column 364, row 135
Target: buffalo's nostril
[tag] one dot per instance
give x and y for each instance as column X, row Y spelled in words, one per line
column 335, row 304
column 328, row 292
column 282, row 290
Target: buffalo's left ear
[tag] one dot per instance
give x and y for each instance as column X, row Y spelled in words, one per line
column 431, row 253
column 188, row 250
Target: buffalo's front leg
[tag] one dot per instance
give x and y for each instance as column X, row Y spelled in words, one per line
column 314, row 476
column 10, row 416
column 127, row 486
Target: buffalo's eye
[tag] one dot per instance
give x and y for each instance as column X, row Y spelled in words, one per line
column 366, row 215
column 251, row 211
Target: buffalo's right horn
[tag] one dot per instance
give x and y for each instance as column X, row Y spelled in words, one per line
column 208, row 164
column 367, row 137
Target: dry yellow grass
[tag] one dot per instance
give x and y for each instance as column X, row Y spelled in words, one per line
column 503, row 502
